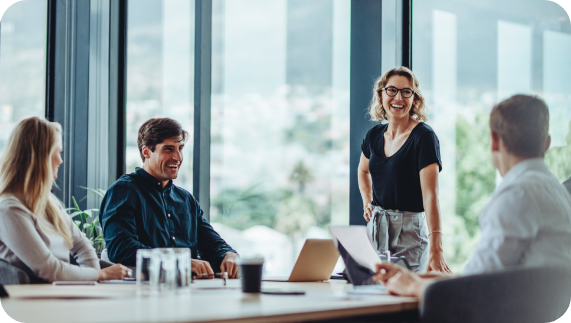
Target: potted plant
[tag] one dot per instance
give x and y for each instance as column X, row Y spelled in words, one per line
column 88, row 222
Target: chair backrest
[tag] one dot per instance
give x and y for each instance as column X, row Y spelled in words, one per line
column 11, row 275
column 540, row 294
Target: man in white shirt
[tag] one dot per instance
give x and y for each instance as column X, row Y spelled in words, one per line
column 528, row 219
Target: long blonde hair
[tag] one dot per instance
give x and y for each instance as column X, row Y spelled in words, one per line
column 26, row 171
column 376, row 109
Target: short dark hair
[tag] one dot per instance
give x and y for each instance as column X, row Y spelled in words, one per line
column 156, row 130
column 522, row 122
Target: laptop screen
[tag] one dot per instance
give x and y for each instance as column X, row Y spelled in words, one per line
column 359, row 275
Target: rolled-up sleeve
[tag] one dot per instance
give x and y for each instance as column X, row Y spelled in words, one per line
column 211, row 246
column 118, row 210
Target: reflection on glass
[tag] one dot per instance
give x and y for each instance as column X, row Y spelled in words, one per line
column 468, row 56
column 22, row 64
column 280, row 124
column 160, row 73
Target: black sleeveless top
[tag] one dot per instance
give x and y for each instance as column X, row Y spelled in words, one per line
column 396, row 179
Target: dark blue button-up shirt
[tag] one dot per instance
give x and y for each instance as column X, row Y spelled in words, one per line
column 137, row 213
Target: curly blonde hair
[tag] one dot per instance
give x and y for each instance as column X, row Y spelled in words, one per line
column 376, row 109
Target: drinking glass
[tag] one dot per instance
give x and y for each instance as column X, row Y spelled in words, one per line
column 166, row 265
column 183, row 270
column 143, row 266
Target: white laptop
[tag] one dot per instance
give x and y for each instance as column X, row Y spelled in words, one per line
column 315, row 262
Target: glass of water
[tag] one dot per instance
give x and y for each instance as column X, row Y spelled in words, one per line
column 183, row 270
column 143, row 267
column 165, row 264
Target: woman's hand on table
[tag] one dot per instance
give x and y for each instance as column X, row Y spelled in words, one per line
column 368, row 211
column 114, row 272
column 436, row 262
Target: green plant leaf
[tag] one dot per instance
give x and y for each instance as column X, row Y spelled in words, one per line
column 99, row 192
column 74, row 214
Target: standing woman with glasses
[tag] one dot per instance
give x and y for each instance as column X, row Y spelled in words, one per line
column 398, row 174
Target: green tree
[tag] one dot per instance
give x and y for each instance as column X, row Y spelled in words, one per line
column 475, row 173
column 558, row 159
column 301, row 175
column 475, row 183
column 295, row 215
column 242, row 209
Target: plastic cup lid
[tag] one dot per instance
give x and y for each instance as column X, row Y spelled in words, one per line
column 251, row 261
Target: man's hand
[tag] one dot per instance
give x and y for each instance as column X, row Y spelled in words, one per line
column 230, row 264
column 202, row 269
column 400, row 281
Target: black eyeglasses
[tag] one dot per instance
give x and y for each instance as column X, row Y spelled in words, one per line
column 393, row 91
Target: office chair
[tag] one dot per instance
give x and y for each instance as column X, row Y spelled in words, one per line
column 540, row 294
column 12, row 275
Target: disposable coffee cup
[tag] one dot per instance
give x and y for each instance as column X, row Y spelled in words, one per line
column 251, row 272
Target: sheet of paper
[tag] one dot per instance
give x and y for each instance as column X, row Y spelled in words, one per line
column 355, row 240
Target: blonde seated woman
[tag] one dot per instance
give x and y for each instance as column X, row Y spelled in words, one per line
column 36, row 235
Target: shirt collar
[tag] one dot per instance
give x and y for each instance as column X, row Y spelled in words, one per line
column 522, row 167
column 151, row 180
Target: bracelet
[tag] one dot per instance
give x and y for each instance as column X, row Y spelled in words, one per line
column 434, row 232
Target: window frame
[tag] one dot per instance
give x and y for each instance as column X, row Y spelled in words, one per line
column 67, row 88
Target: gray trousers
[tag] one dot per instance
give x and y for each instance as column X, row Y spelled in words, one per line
column 402, row 233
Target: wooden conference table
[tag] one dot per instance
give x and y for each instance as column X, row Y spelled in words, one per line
column 207, row 301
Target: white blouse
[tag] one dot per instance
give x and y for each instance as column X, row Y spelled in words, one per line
column 32, row 244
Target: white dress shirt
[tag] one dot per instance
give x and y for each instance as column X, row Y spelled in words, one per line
column 527, row 221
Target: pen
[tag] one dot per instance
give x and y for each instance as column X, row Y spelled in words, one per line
column 223, row 275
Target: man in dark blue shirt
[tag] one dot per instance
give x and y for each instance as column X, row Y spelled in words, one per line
column 145, row 209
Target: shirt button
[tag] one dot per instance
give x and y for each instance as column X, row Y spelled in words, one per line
column 169, row 215
column 173, row 238
column 159, row 183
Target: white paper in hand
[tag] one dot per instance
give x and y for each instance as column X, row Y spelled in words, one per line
column 355, row 240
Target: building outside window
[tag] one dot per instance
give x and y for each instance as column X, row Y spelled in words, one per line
column 160, row 73
column 280, row 124
column 22, row 64
column 468, row 56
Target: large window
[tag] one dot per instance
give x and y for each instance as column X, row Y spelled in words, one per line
column 469, row 55
column 280, row 124
column 160, row 73
column 22, row 64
